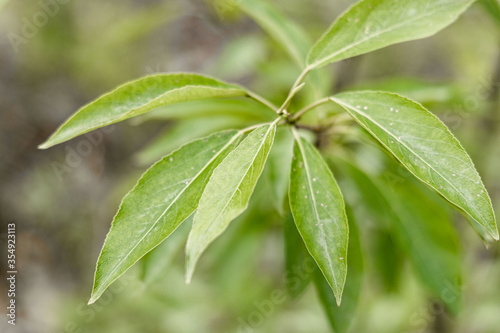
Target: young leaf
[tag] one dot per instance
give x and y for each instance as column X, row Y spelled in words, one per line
column 319, row 213
column 340, row 317
column 425, row 146
column 163, row 198
column 373, row 24
column 227, row 193
column 138, row 97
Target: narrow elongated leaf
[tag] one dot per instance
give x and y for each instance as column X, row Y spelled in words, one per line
column 227, row 193
column 340, row 317
column 319, row 213
column 425, row 146
column 373, row 24
column 164, row 197
column 138, row 97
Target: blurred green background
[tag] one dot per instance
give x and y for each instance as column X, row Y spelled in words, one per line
column 55, row 56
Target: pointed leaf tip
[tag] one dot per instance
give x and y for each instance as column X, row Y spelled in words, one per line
column 318, row 210
column 426, row 148
column 165, row 196
column 138, row 97
column 370, row 25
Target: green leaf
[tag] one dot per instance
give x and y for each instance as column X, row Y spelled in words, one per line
column 425, row 146
column 228, row 192
column 164, row 197
column 340, row 317
column 319, row 213
column 244, row 108
column 373, row 24
column 138, row 97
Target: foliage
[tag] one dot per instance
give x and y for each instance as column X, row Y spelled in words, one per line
column 213, row 178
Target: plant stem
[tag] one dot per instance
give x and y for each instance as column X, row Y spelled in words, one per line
column 292, row 93
column 296, row 116
column 262, row 100
column 295, row 88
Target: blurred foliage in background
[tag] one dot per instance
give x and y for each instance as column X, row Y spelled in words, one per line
column 63, row 200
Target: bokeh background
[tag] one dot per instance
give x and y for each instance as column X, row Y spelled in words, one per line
column 63, row 199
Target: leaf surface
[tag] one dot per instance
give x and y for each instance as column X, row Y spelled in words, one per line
column 425, row 146
column 228, row 192
column 140, row 96
column 162, row 199
column 340, row 317
column 319, row 213
column 373, row 24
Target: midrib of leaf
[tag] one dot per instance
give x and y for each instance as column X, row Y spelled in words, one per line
column 172, row 91
column 306, row 166
column 404, row 145
column 326, row 59
column 131, row 112
column 191, row 267
column 236, row 136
